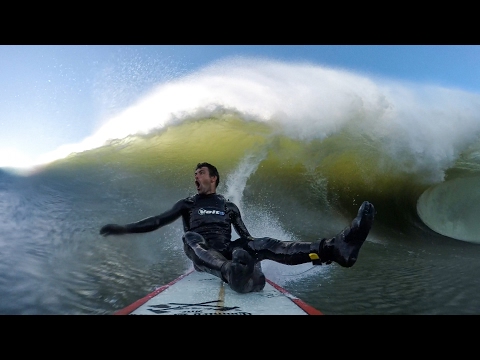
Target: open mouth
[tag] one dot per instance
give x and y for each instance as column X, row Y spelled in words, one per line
column 197, row 184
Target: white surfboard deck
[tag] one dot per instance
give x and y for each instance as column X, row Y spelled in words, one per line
column 199, row 293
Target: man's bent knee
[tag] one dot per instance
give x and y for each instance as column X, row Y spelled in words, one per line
column 192, row 238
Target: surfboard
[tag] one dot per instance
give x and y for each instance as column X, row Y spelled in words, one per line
column 200, row 293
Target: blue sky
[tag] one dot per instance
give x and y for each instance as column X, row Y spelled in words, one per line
column 57, row 94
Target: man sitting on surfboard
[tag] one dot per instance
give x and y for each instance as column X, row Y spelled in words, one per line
column 208, row 219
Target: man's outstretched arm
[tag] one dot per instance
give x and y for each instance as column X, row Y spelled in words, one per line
column 146, row 225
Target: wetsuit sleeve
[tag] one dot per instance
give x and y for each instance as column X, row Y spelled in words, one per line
column 237, row 221
column 155, row 222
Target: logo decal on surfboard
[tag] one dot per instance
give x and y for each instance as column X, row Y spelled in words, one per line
column 213, row 307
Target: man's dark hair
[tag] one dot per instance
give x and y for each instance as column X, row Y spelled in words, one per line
column 212, row 170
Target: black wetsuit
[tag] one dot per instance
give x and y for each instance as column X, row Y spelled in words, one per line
column 211, row 216
column 208, row 221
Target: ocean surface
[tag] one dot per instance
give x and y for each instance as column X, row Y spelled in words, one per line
column 299, row 147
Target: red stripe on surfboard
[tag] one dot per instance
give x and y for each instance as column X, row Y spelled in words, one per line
column 310, row 310
column 127, row 310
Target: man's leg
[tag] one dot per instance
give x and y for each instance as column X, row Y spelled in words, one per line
column 342, row 249
column 204, row 258
column 242, row 273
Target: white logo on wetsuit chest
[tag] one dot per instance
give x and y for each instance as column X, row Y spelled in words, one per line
column 210, row 212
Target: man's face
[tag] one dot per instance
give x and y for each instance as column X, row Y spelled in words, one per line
column 203, row 182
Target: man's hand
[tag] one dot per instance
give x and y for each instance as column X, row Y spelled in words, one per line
column 112, row 229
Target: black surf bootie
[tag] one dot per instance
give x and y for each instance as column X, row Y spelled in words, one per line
column 239, row 270
column 345, row 246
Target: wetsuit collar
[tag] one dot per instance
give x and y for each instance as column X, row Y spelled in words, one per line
column 206, row 195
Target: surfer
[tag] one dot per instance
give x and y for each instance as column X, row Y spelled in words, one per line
column 208, row 218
